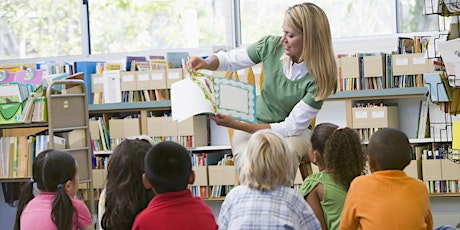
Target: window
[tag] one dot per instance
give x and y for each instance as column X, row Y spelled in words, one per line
column 53, row 28
column 125, row 26
column 413, row 19
column 347, row 18
column 39, row 28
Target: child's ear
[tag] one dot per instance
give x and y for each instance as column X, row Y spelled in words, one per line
column 315, row 156
column 146, row 182
column 191, row 179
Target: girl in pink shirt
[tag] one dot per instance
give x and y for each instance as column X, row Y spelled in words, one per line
column 55, row 207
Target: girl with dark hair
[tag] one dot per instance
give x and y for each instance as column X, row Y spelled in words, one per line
column 124, row 195
column 55, row 207
column 339, row 155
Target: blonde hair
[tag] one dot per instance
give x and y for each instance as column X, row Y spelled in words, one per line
column 267, row 163
column 317, row 52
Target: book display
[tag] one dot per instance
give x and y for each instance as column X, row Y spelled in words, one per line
column 65, row 127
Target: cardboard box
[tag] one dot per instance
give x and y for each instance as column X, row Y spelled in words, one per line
column 375, row 117
column 450, row 170
column 414, row 169
column 408, row 64
column 157, row 79
column 201, row 176
column 121, row 128
column 97, row 83
column 99, row 176
column 221, row 175
column 431, row 170
column 161, row 127
column 349, row 67
column 373, row 66
column 196, row 126
column 128, row 81
column 143, row 79
column 173, row 75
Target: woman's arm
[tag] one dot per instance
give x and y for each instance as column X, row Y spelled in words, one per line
column 314, row 199
column 227, row 121
column 232, row 60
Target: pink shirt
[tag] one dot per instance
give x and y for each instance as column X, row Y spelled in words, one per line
column 37, row 213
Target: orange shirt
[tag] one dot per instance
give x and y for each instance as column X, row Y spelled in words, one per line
column 387, row 199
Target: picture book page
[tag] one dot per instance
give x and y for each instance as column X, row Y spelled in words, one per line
column 188, row 99
column 236, row 99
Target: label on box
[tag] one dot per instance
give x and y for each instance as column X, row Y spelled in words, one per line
column 418, row 60
column 98, row 80
column 157, row 76
column 128, row 78
column 360, row 114
column 402, row 61
column 378, row 114
column 143, row 77
column 173, row 75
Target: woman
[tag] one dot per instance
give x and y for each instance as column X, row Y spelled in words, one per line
column 299, row 73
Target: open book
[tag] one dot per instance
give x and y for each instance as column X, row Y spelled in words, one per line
column 202, row 93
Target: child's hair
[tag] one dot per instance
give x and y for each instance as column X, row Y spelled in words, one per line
column 340, row 150
column 125, row 193
column 27, row 193
column 389, row 148
column 59, row 167
column 168, row 167
column 267, row 163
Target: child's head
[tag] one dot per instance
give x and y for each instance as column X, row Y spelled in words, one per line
column 125, row 193
column 267, row 163
column 388, row 149
column 60, row 176
column 168, row 168
column 60, row 172
column 339, row 151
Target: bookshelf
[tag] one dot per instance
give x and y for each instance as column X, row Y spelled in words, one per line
column 435, row 171
column 67, row 117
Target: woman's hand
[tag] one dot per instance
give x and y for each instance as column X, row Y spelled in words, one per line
column 210, row 63
column 224, row 120
column 196, row 63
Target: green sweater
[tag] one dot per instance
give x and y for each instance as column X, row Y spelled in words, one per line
column 279, row 94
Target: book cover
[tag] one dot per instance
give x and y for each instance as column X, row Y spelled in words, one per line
column 88, row 68
column 202, row 93
column 131, row 59
column 174, row 59
column 112, row 87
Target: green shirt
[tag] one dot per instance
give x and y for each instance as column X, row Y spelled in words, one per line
column 279, row 94
column 333, row 200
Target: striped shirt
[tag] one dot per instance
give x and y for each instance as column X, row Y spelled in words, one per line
column 282, row 208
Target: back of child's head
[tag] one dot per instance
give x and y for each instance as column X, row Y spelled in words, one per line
column 341, row 152
column 319, row 137
column 389, row 149
column 125, row 193
column 267, row 163
column 168, row 167
column 28, row 192
column 59, row 170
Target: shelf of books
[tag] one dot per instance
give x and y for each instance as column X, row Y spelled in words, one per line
column 32, row 121
column 214, row 172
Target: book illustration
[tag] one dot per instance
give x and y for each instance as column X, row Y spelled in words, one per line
column 202, row 93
